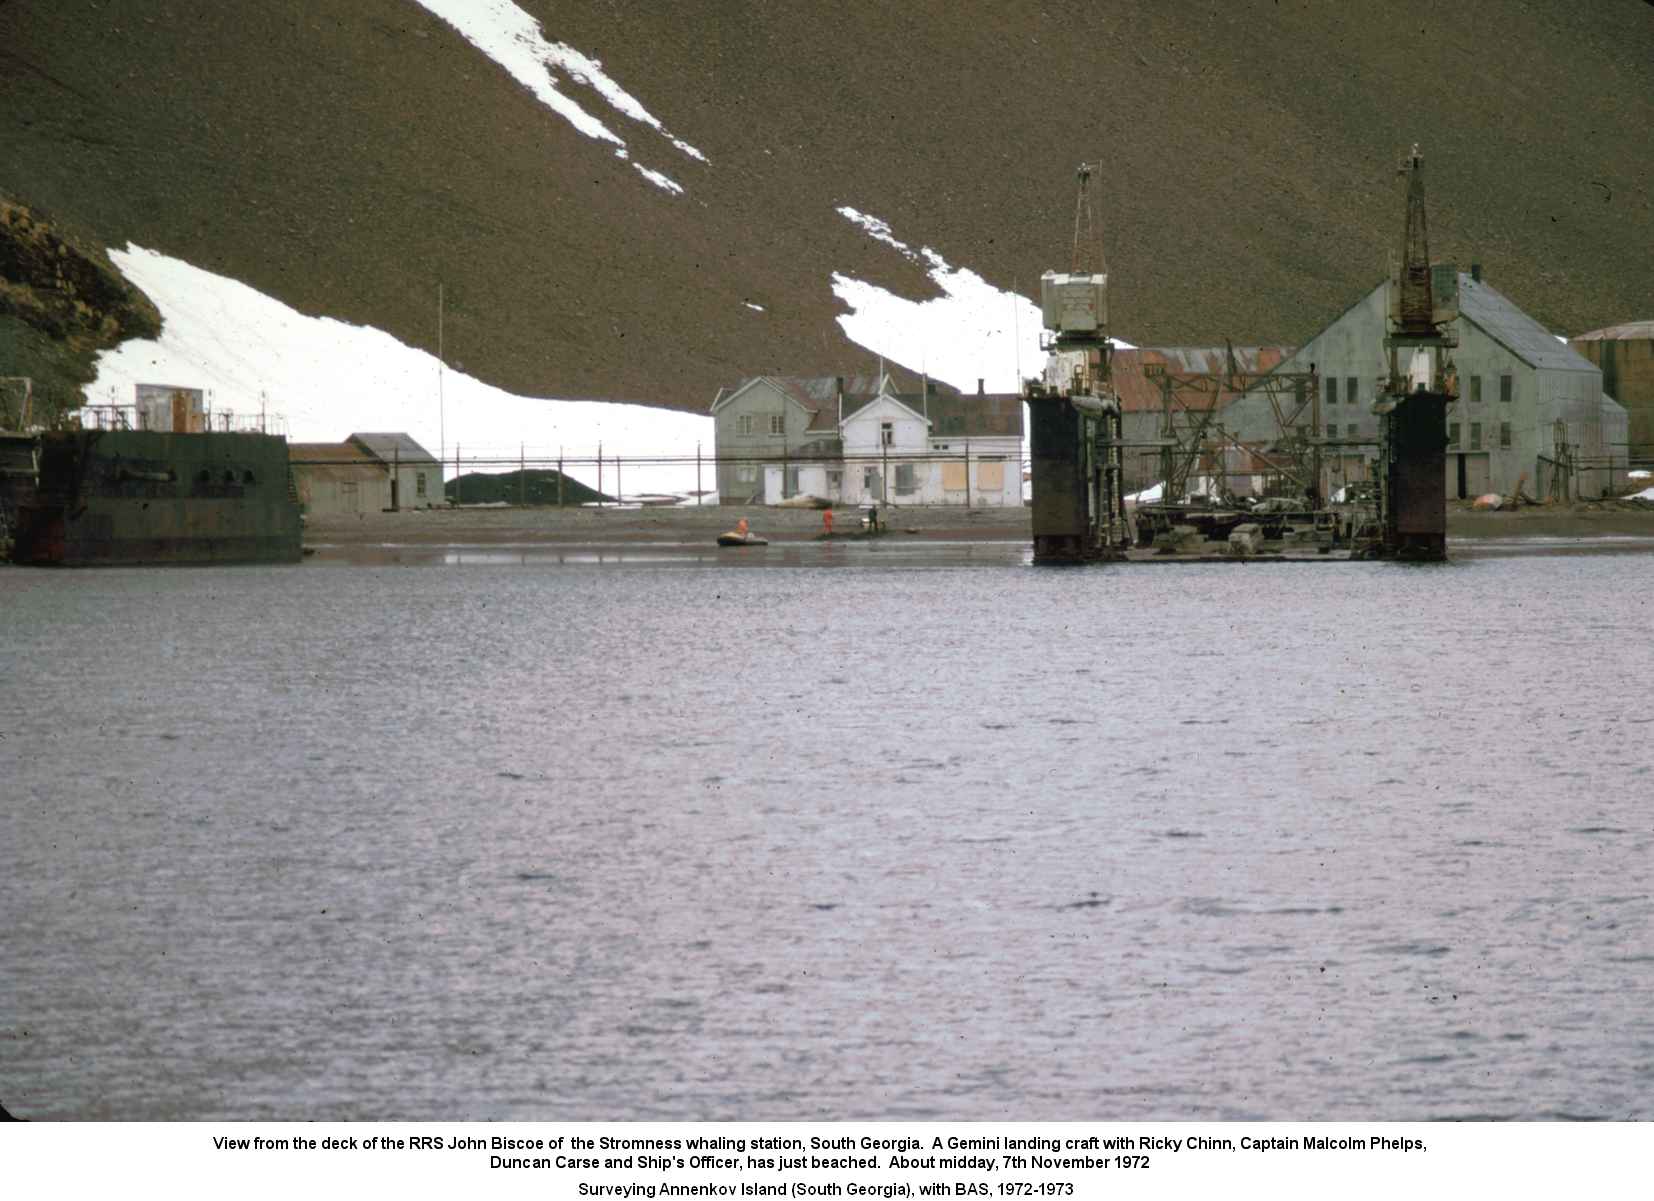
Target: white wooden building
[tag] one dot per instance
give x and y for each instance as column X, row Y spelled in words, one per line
column 878, row 446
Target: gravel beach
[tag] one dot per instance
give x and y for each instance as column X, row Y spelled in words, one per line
column 693, row 525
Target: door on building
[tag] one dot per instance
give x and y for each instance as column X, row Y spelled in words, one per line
column 872, row 484
column 350, row 500
column 1478, row 477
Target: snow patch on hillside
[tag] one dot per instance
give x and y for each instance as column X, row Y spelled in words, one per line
column 972, row 331
column 514, row 40
column 331, row 379
column 660, row 181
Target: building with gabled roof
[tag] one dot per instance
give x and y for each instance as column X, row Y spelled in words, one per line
column 1531, row 411
column 862, row 439
column 365, row 473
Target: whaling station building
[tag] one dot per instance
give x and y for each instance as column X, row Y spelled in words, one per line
column 1625, row 355
column 366, row 473
column 857, row 440
column 1531, row 411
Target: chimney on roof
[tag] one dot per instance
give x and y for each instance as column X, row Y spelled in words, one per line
column 979, row 385
column 1476, row 272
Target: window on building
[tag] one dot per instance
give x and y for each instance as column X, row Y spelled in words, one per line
column 1475, row 389
column 887, row 433
column 743, row 424
column 835, row 481
column 1475, row 435
column 1507, row 389
column 746, row 473
column 1453, row 434
column 1332, row 429
column 907, row 479
column 1332, row 389
column 778, row 423
column 1352, row 390
column 869, row 479
column 419, row 484
column 791, row 485
column 1504, row 433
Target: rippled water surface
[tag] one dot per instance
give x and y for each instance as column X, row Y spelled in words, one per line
column 841, row 835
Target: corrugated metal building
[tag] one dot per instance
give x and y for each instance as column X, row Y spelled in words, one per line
column 1625, row 356
column 366, row 473
column 1517, row 381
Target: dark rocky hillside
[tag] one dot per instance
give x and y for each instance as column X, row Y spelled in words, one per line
column 346, row 155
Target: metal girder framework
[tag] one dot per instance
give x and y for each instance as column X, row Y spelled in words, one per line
column 1182, row 446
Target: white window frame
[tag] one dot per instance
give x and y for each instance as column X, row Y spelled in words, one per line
column 743, row 425
column 778, row 424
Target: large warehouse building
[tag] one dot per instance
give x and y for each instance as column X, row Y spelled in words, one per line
column 1531, row 412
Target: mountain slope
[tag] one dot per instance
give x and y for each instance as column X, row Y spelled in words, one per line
column 346, row 156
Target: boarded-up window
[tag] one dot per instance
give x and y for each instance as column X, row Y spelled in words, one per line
column 746, row 473
column 953, row 477
column 990, row 477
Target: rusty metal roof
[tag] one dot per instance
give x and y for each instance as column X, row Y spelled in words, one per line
column 330, row 452
column 1140, row 394
column 393, row 447
column 975, row 415
column 951, row 412
column 1618, row 333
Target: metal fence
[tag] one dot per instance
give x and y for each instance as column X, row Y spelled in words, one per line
column 929, row 477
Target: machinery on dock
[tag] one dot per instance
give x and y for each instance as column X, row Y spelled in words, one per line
column 1077, row 446
column 1074, row 435
column 1412, row 406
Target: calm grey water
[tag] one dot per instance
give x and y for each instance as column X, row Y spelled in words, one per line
column 830, row 834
